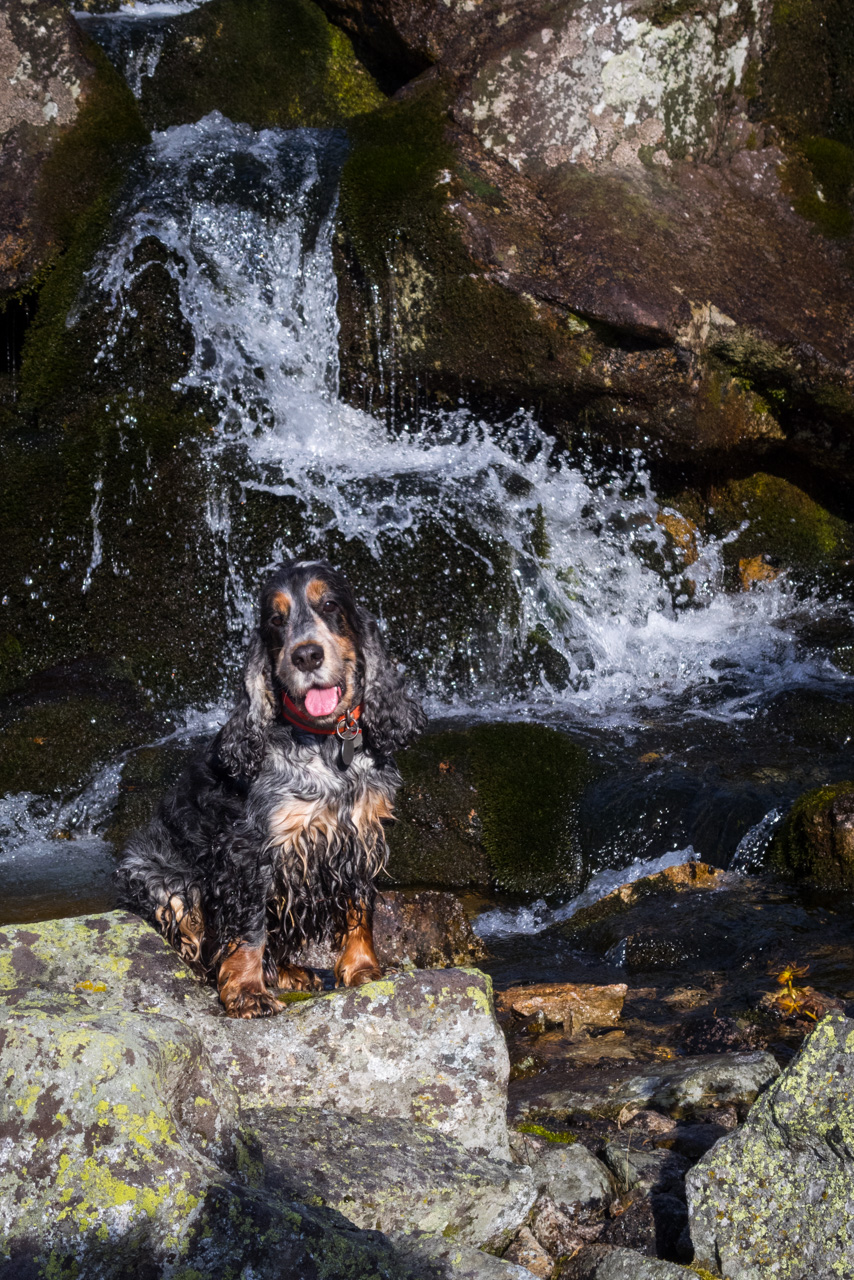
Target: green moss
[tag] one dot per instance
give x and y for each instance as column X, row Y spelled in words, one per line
column 389, row 185
column 819, row 177
column 808, row 73
column 806, row 848
column 270, row 63
column 784, row 524
column 562, row 1136
column 495, row 803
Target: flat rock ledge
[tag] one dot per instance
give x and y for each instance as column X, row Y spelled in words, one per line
column 360, row 1133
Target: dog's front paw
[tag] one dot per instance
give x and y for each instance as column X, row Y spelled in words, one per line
column 352, row 977
column 293, row 977
column 252, row 1004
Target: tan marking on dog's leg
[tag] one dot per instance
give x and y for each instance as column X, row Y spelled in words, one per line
column 293, row 977
column 240, row 980
column 358, row 962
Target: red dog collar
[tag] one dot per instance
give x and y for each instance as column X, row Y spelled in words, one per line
column 296, row 717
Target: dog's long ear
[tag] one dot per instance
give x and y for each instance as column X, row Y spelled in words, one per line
column 391, row 717
column 242, row 739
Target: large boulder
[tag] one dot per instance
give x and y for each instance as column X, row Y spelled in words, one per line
column 570, row 208
column 423, row 1046
column 123, row 1154
column 494, row 804
column 389, row 1174
column 776, row 1194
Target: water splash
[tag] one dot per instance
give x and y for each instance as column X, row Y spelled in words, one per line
column 752, row 848
column 510, row 574
column 501, row 922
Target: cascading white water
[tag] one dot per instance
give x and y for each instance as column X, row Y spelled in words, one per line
column 577, row 563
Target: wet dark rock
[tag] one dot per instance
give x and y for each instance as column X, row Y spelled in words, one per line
column 653, row 1224
column 777, row 1192
column 816, row 842
column 270, row 63
column 421, row 928
column 681, row 1087
column 492, row 804
column 717, row 1035
column 48, row 80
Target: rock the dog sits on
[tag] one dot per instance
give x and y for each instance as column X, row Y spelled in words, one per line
column 274, row 838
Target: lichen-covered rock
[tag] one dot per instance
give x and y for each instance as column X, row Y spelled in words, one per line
column 454, row 1260
column 492, row 804
column 682, row 1087
column 391, row 1174
column 816, row 842
column 777, row 1193
column 573, row 1179
column 593, row 84
column 423, row 1046
column 123, row 1153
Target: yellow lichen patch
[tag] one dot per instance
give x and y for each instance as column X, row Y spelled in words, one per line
column 89, row 985
column 26, row 1103
column 683, row 532
column 753, row 569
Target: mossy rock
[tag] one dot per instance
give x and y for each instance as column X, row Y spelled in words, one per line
column 494, row 804
column 786, row 528
column 816, row 842
column 268, row 63
column 407, row 284
column 52, row 746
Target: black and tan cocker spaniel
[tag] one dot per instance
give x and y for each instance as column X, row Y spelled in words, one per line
column 274, row 838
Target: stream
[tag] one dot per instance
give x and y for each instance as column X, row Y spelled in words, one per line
column 516, row 581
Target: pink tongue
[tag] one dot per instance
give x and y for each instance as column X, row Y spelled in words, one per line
column 322, row 702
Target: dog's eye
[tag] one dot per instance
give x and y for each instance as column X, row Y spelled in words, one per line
column 329, row 607
column 276, row 620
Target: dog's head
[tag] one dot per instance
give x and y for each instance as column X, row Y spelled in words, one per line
column 316, row 645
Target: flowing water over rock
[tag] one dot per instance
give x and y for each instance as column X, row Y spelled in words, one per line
column 516, row 581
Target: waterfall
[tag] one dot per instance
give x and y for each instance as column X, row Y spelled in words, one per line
column 508, row 573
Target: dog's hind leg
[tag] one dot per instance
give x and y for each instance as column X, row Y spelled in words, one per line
column 152, row 882
column 358, row 961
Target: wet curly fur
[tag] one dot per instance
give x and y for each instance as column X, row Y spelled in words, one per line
column 267, row 841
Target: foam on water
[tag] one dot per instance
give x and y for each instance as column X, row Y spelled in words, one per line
column 248, row 218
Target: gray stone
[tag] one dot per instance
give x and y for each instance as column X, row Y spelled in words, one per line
column 778, row 1194
column 644, row 1169
column 599, row 1262
column 121, row 1151
column 421, row 1046
column 573, row 1178
column 681, row 1087
column 456, row 1261
column 391, row 1175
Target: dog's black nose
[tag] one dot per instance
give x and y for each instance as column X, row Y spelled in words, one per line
column 307, row 657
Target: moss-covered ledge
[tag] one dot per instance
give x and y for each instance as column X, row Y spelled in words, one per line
column 816, row 842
